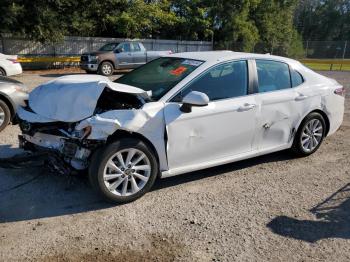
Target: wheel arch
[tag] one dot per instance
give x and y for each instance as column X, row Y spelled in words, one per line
column 125, row 134
column 110, row 61
column 323, row 114
column 9, row 103
column 3, row 69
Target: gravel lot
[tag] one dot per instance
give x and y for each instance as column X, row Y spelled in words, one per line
column 270, row 208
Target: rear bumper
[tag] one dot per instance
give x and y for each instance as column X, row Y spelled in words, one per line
column 89, row 66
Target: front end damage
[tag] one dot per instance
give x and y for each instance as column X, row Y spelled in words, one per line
column 64, row 130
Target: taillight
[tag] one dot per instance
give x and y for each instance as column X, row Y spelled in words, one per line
column 340, row 91
column 14, row 61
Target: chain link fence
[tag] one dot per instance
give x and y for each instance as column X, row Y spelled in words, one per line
column 309, row 49
column 75, row 46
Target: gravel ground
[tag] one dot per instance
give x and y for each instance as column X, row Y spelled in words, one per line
column 270, row 208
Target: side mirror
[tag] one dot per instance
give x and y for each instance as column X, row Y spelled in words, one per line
column 118, row 50
column 194, row 98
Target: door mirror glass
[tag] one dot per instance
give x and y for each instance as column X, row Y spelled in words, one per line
column 194, row 98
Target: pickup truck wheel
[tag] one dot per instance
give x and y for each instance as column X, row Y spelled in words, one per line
column 106, row 69
column 5, row 115
column 123, row 171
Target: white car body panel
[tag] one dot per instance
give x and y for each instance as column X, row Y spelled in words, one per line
column 8, row 66
column 221, row 132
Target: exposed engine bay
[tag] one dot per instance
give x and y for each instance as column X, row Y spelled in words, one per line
column 64, row 141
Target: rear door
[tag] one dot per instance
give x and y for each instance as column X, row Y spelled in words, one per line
column 279, row 104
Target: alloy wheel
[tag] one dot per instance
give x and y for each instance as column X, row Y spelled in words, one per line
column 2, row 116
column 311, row 135
column 127, row 172
column 106, row 69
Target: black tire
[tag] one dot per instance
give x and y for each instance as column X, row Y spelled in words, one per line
column 106, row 69
column 297, row 147
column 102, row 156
column 2, row 72
column 7, row 115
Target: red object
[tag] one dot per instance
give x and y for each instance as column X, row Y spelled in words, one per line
column 178, row 71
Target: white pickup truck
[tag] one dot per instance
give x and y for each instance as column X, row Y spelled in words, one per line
column 113, row 56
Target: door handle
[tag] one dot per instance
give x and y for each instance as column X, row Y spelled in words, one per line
column 301, row 97
column 246, row 107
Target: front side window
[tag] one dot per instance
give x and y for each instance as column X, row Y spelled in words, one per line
column 161, row 75
column 109, row 47
column 124, row 48
column 272, row 76
column 221, row 82
column 135, row 47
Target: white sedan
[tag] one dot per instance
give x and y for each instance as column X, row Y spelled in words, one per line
column 178, row 114
column 9, row 65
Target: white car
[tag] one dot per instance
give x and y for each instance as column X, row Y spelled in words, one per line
column 178, row 114
column 9, row 65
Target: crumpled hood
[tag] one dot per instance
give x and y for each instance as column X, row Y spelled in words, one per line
column 73, row 98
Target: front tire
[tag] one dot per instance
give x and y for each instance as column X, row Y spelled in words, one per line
column 310, row 135
column 123, row 171
column 5, row 115
column 106, row 69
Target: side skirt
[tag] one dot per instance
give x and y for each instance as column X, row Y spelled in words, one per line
column 221, row 161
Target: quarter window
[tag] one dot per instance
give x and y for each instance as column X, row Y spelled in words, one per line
column 297, row 79
column 224, row 81
column 272, row 76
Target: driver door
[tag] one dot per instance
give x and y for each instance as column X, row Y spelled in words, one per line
column 221, row 130
column 124, row 56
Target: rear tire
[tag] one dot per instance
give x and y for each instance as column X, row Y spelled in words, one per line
column 310, row 135
column 5, row 115
column 106, row 69
column 122, row 181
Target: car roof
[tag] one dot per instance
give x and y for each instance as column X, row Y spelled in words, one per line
column 219, row 56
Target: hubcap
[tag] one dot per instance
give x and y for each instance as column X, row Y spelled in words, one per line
column 2, row 116
column 311, row 135
column 127, row 172
column 106, row 69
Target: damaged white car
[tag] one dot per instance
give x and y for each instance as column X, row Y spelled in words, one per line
column 178, row 114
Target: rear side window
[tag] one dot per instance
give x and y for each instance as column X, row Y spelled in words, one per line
column 272, row 76
column 296, row 77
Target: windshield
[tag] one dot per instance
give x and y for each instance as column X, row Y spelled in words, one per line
column 160, row 75
column 109, row 47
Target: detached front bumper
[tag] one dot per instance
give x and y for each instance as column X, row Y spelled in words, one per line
column 37, row 157
column 89, row 66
